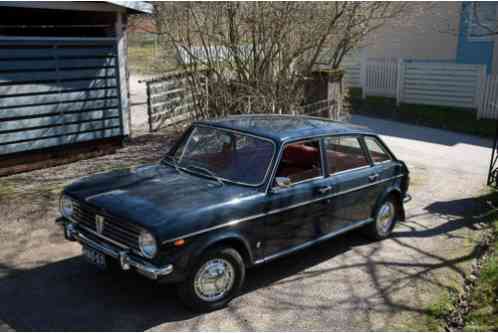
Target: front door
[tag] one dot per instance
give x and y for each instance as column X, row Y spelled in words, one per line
column 294, row 209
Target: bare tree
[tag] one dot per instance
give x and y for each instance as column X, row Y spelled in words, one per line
column 482, row 18
column 259, row 54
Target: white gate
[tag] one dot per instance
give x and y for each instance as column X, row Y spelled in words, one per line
column 488, row 102
column 381, row 78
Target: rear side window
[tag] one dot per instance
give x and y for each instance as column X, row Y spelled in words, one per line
column 377, row 151
column 344, row 153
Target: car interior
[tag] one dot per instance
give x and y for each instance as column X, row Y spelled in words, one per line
column 342, row 157
column 300, row 161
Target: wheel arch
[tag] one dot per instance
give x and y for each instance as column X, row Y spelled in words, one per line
column 396, row 193
column 229, row 239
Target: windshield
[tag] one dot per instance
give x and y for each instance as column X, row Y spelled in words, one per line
column 225, row 155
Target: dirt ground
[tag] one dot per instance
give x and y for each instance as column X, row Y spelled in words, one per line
column 348, row 283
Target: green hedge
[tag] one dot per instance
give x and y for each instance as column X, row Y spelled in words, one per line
column 449, row 118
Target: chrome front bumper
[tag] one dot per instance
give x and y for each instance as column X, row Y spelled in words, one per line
column 125, row 260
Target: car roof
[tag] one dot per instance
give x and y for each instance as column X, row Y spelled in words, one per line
column 285, row 127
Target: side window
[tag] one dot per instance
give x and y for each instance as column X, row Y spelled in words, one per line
column 344, row 153
column 300, row 161
column 377, row 152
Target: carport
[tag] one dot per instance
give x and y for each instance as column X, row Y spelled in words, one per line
column 63, row 79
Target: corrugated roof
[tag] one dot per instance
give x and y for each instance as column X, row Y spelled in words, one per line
column 138, row 6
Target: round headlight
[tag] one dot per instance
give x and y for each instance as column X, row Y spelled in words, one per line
column 147, row 244
column 66, row 206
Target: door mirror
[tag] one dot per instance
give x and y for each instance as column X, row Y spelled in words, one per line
column 283, row 182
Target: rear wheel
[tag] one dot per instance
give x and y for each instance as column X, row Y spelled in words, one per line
column 385, row 219
column 214, row 280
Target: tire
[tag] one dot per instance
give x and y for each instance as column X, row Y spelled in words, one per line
column 194, row 294
column 385, row 218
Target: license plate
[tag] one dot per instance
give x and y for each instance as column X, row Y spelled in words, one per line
column 95, row 257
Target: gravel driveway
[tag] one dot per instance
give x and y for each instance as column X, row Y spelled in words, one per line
column 348, row 283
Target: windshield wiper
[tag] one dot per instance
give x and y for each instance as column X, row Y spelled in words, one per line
column 171, row 161
column 206, row 170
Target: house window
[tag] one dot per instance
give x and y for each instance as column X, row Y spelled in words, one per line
column 481, row 21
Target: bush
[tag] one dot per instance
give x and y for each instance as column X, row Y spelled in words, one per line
column 445, row 117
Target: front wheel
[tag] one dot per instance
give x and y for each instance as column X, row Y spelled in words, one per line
column 385, row 219
column 214, row 280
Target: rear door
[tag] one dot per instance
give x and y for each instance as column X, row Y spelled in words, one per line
column 353, row 179
column 385, row 167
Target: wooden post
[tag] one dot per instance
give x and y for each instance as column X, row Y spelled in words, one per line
column 363, row 73
column 479, row 93
column 149, row 107
column 122, row 45
column 400, row 82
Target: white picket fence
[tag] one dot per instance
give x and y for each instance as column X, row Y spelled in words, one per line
column 488, row 103
column 381, row 78
column 430, row 83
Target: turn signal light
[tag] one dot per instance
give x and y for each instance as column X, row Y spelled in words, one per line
column 179, row 242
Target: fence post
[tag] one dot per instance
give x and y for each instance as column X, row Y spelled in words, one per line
column 149, row 106
column 207, row 94
column 363, row 74
column 400, row 81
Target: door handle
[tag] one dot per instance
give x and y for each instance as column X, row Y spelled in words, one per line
column 325, row 189
column 373, row 177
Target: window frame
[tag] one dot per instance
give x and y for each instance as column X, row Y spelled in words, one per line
column 363, row 147
column 382, row 146
column 322, row 175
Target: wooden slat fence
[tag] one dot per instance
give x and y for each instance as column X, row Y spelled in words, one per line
column 170, row 99
column 447, row 84
column 488, row 103
column 56, row 92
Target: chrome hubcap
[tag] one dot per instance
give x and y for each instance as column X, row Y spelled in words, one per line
column 385, row 217
column 214, row 280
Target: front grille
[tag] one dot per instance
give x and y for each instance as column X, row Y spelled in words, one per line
column 117, row 230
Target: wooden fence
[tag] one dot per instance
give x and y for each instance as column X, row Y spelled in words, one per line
column 488, row 101
column 170, row 100
column 412, row 82
column 57, row 92
column 381, row 78
column 447, row 84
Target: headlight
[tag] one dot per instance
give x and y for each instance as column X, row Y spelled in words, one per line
column 66, row 206
column 147, row 244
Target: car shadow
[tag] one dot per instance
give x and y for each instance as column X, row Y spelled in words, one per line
column 71, row 295
column 471, row 213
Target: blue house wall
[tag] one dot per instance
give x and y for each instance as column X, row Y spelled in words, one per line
column 471, row 51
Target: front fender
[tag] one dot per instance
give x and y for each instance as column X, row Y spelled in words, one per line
column 231, row 238
column 186, row 256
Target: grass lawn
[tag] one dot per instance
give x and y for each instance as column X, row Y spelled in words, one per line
column 483, row 299
column 145, row 59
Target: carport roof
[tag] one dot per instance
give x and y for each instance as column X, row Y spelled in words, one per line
column 134, row 7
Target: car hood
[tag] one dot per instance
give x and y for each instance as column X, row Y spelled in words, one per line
column 158, row 197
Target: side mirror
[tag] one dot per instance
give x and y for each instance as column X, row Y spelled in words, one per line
column 283, row 182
